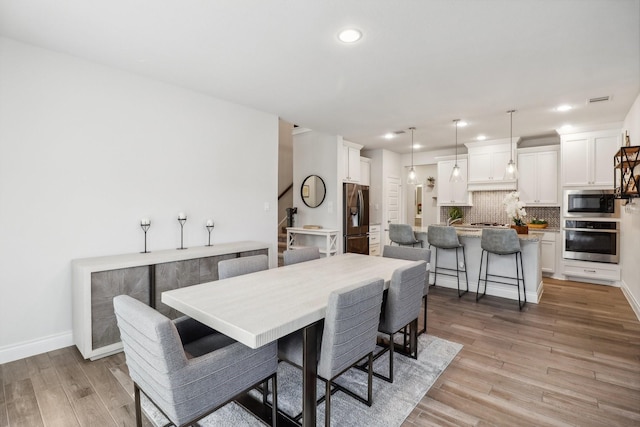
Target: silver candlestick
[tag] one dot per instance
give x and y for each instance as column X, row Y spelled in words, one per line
column 209, row 226
column 182, row 219
column 145, row 224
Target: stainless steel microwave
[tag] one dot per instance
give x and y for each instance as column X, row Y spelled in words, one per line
column 590, row 203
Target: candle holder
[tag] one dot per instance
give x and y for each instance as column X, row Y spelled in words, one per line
column 182, row 221
column 209, row 229
column 145, row 227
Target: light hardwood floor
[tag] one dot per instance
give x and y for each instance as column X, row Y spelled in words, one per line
column 573, row 359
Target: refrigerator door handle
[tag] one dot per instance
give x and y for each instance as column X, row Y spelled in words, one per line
column 360, row 206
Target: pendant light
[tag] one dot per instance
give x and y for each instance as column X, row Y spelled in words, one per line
column 412, row 173
column 511, row 172
column 456, row 174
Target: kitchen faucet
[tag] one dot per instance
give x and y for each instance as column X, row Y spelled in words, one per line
column 452, row 221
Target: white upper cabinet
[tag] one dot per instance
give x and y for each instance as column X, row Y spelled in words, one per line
column 587, row 158
column 487, row 164
column 538, row 176
column 365, row 171
column 351, row 156
column 452, row 193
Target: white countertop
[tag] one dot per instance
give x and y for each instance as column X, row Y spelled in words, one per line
column 112, row 262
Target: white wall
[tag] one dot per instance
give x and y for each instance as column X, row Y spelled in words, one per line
column 630, row 225
column 86, row 151
column 316, row 153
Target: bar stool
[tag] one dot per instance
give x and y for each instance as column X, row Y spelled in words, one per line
column 501, row 242
column 403, row 235
column 445, row 237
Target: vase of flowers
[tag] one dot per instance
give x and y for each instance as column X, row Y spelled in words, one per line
column 515, row 209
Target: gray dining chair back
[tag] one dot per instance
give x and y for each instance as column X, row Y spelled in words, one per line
column 187, row 386
column 401, row 308
column 412, row 254
column 404, row 297
column 294, row 256
column 243, row 265
column 347, row 335
column 350, row 326
column 403, row 235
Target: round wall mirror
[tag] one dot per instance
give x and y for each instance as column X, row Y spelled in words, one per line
column 313, row 191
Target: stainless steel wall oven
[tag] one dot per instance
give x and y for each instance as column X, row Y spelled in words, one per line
column 589, row 240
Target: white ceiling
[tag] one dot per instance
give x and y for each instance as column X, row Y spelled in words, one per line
column 420, row 63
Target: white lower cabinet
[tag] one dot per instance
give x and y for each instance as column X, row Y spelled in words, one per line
column 374, row 240
column 548, row 254
column 592, row 270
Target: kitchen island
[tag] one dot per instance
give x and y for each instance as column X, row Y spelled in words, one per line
column 503, row 265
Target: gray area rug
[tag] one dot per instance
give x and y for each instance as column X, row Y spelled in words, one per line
column 392, row 403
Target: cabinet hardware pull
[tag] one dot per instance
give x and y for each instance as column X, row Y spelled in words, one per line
column 589, row 271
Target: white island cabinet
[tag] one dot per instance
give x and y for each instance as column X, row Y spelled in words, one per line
column 144, row 276
column 500, row 265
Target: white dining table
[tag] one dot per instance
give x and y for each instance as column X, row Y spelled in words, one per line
column 258, row 308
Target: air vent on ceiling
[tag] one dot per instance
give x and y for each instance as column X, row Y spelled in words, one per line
column 399, row 132
column 598, row 99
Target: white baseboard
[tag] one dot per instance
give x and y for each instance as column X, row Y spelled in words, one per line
column 24, row 349
column 635, row 305
column 496, row 290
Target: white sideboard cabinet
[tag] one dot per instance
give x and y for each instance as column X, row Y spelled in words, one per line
column 144, row 276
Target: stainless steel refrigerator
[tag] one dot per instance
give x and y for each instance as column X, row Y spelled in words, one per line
column 355, row 223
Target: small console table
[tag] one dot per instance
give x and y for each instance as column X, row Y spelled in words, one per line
column 144, row 276
column 330, row 239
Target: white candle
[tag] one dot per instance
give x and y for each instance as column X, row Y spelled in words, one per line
column 181, row 215
column 209, row 223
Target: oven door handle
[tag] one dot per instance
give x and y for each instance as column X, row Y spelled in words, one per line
column 591, row 230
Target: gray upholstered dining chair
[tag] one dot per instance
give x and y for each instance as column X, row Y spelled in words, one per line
column 412, row 254
column 243, row 265
column 443, row 237
column 294, row 256
column 401, row 308
column 403, row 235
column 501, row 242
column 187, row 369
column 347, row 335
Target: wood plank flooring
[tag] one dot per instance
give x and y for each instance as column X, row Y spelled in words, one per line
column 573, row 359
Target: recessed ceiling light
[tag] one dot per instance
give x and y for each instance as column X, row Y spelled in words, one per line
column 563, row 107
column 388, row 135
column 481, row 137
column 462, row 124
column 566, row 127
column 417, row 146
column 350, row 35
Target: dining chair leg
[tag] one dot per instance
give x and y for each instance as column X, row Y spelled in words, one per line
column 391, row 345
column 136, row 392
column 327, row 404
column 274, row 401
column 370, row 380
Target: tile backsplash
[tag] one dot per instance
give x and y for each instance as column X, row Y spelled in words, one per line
column 487, row 207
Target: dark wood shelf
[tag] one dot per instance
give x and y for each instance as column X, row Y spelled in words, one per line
column 626, row 176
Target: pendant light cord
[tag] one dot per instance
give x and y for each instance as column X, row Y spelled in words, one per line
column 511, row 134
column 455, row 122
